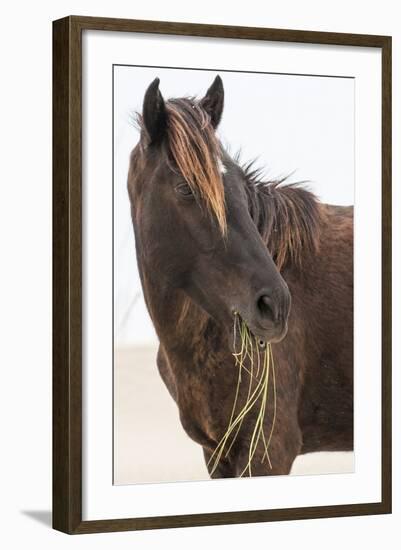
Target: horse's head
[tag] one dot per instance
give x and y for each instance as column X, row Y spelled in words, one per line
column 192, row 218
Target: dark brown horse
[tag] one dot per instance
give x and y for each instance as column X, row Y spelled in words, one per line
column 212, row 240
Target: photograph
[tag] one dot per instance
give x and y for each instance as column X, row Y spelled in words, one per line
column 199, row 275
column 233, row 254
column 222, row 268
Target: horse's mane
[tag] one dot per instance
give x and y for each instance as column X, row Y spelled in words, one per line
column 287, row 215
column 195, row 152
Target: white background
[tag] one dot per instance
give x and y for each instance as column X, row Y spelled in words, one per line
column 26, row 272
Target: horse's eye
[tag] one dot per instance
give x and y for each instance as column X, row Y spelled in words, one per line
column 184, row 189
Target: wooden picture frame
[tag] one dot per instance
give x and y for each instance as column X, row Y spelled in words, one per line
column 67, row 273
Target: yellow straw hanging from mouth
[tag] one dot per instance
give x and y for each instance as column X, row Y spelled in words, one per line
column 258, row 395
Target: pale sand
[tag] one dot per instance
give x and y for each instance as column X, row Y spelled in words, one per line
column 150, row 444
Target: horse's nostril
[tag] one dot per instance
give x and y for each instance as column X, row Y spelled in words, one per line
column 266, row 308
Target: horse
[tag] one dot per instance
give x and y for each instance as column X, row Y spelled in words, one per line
column 216, row 241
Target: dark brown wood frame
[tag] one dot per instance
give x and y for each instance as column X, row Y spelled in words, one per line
column 67, row 274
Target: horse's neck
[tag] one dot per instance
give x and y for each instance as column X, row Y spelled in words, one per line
column 289, row 219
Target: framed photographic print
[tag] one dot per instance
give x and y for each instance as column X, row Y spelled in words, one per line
column 221, row 272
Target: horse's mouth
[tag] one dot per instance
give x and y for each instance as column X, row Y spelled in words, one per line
column 262, row 337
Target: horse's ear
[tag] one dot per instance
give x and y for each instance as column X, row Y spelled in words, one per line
column 154, row 112
column 213, row 101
